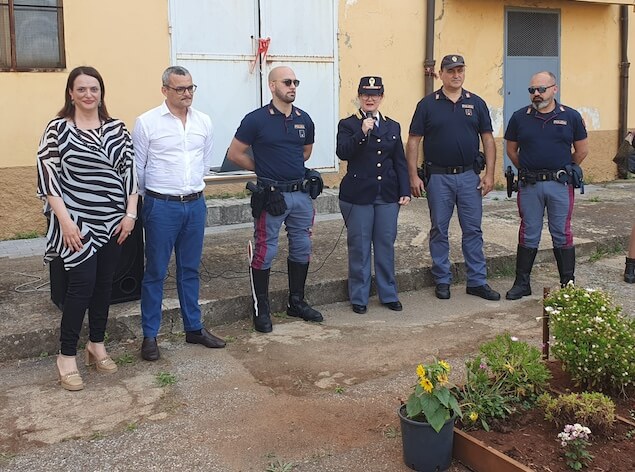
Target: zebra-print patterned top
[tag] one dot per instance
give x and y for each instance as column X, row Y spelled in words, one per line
column 93, row 172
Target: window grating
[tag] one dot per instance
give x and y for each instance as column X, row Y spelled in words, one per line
column 532, row 33
column 31, row 34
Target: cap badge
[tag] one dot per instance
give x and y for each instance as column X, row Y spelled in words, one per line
column 454, row 59
column 371, row 81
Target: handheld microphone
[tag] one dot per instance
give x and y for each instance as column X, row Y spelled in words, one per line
column 369, row 114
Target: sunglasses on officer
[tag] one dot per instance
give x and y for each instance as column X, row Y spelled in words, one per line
column 541, row 89
column 288, row 82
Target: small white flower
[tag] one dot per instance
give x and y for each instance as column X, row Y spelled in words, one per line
column 514, row 338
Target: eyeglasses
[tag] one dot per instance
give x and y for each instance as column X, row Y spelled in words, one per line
column 542, row 89
column 288, row 82
column 181, row 90
column 369, row 97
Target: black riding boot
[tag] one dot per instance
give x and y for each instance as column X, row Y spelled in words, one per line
column 260, row 293
column 565, row 258
column 297, row 306
column 629, row 271
column 525, row 257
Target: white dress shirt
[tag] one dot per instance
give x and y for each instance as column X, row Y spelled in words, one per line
column 170, row 158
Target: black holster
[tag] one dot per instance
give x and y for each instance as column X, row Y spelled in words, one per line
column 313, row 183
column 479, row 163
column 258, row 199
column 423, row 174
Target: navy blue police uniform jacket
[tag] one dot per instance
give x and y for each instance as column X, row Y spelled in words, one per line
column 376, row 163
column 451, row 131
column 545, row 139
column 277, row 141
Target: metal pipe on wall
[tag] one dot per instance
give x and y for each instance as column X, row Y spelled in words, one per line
column 429, row 62
column 624, row 66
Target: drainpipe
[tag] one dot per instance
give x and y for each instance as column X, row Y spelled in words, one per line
column 429, row 62
column 624, row 65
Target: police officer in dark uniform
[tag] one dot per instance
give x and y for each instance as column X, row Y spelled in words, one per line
column 375, row 185
column 281, row 138
column 451, row 121
column 539, row 139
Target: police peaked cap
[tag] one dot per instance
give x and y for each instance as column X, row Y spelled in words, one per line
column 371, row 85
column 451, row 61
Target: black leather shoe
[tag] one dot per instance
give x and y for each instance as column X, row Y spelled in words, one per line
column 442, row 291
column 361, row 309
column 206, row 338
column 484, row 291
column 394, row 306
column 150, row 349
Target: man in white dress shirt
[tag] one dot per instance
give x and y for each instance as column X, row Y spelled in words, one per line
column 173, row 149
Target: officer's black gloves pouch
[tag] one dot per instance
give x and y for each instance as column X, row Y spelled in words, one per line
column 275, row 205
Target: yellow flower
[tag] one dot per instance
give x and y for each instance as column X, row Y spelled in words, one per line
column 427, row 385
column 473, row 416
column 421, row 371
column 442, row 378
column 445, row 366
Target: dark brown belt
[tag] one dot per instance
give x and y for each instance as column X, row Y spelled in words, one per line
column 175, row 198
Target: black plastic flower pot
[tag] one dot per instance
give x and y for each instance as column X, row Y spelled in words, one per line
column 425, row 450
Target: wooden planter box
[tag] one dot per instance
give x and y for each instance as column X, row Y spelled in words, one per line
column 480, row 457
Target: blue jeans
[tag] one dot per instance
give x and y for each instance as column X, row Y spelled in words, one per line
column 178, row 226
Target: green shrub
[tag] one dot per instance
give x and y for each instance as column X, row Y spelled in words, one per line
column 592, row 338
column 507, row 375
column 592, row 409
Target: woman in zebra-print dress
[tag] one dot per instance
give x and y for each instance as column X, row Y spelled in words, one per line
column 87, row 180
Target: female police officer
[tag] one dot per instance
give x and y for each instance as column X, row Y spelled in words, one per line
column 375, row 185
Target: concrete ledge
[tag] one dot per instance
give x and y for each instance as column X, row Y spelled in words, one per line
column 125, row 318
column 231, row 211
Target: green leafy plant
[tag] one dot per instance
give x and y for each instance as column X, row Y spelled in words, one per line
column 165, row 378
column 508, row 374
column 481, row 397
column 590, row 408
column 592, row 338
column 279, row 466
column 574, row 440
column 125, row 359
column 517, row 367
column 434, row 397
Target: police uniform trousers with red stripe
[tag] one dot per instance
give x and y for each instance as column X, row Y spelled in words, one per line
column 557, row 199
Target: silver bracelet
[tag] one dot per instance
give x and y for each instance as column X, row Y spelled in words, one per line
column 131, row 215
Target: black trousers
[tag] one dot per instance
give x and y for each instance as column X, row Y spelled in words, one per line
column 89, row 287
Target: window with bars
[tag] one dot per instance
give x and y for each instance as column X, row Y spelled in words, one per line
column 31, row 35
column 533, row 33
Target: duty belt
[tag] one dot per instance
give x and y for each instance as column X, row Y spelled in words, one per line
column 290, row 186
column 432, row 169
column 175, row 198
column 542, row 175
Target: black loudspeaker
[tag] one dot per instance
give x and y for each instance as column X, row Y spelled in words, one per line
column 126, row 284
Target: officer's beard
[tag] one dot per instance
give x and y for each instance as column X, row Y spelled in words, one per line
column 540, row 104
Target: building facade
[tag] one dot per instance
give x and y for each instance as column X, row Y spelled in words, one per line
column 231, row 46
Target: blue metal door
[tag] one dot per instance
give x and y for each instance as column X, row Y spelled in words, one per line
column 532, row 44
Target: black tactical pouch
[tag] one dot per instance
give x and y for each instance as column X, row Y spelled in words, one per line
column 258, row 199
column 576, row 176
column 275, row 205
column 479, row 163
column 423, row 174
column 313, row 183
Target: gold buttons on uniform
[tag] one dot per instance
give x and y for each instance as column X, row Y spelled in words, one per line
column 379, row 177
column 379, row 164
column 379, row 140
column 378, row 152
